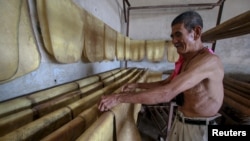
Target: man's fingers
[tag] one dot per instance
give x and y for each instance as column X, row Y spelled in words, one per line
column 100, row 106
column 103, row 105
column 123, row 89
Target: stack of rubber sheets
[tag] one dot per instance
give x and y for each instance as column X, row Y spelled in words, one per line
column 69, row 110
column 236, row 104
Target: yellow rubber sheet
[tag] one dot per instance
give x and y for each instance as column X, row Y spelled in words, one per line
column 94, row 38
column 43, row 22
column 137, row 50
column 65, row 27
column 120, row 46
column 155, row 50
column 28, row 57
column 127, row 48
column 172, row 54
column 109, row 43
column 9, row 58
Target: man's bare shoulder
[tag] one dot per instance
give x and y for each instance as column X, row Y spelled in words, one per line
column 207, row 65
column 211, row 64
column 205, row 58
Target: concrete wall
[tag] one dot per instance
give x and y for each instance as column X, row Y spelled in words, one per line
column 156, row 24
column 51, row 73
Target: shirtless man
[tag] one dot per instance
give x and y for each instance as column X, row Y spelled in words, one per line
column 200, row 79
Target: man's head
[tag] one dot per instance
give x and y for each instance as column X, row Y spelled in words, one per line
column 186, row 32
column 190, row 19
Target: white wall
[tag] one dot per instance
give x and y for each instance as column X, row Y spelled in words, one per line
column 109, row 11
column 51, row 73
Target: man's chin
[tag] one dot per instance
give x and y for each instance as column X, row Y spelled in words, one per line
column 179, row 50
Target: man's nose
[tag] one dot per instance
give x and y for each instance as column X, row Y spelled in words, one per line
column 174, row 40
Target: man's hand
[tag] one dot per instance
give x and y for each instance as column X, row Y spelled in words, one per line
column 109, row 101
column 129, row 87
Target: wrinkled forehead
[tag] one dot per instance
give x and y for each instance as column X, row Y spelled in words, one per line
column 177, row 28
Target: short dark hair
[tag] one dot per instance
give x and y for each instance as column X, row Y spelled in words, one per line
column 190, row 20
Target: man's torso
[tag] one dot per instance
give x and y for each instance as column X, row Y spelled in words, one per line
column 205, row 98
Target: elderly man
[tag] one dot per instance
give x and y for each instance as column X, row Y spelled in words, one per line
column 197, row 81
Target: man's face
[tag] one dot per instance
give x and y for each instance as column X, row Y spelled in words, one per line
column 182, row 39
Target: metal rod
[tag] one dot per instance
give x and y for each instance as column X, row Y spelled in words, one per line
column 218, row 21
column 126, row 17
column 209, row 5
column 170, row 6
column 127, row 32
column 127, row 2
column 124, row 11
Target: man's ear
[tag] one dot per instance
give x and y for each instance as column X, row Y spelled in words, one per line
column 197, row 32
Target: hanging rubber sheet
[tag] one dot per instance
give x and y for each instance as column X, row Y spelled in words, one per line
column 10, row 16
column 172, row 54
column 137, row 50
column 43, row 22
column 94, row 38
column 65, row 28
column 27, row 58
column 120, row 46
column 109, row 43
column 127, row 48
column 155, row 50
